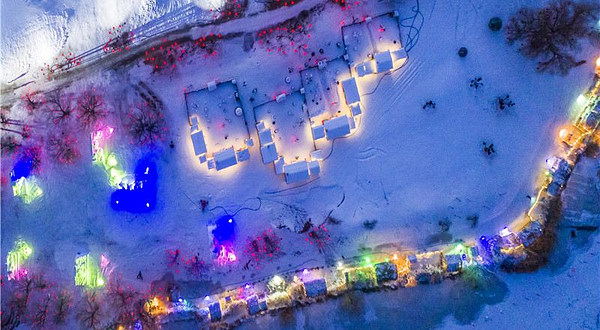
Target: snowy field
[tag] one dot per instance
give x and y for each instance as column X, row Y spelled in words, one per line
column 406, row 167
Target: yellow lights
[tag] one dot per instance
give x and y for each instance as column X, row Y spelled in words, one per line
column 277, row 280
column 598, row 63
column 563, row 133
column 581, row 100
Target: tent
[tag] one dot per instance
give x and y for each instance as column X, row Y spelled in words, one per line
column 315, row 288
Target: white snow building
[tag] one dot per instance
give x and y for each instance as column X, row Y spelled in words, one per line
column 225, row 158
column 383, row 61
column 268, row 150
column 350, row 88
column 337, row 127
column 296, row 172
column 198, row 143
column 365, row 68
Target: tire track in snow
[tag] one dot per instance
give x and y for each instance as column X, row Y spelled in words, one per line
column 369, row 153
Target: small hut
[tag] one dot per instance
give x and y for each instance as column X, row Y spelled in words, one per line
column 315, row 287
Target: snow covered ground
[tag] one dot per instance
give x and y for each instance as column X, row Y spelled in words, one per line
column 406, row 167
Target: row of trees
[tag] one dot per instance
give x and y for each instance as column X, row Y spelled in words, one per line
column 58, row 119
column 42, row 304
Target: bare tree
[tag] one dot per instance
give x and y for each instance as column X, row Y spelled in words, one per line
column 123, row 300
column 60, row 106
column 40, row 313
column 90, row 107
column 196, row 266
column 32, row 101
column 63, row 148
column 91, row 313
column 9, row 145
column 63, row 303
column 146, row 124
column 553, row 32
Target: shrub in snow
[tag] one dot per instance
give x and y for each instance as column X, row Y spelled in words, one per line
column 476, row 83
column 9, row 145
column 165, row 56
column 145, row 124
column 90, row 108
column 63, row 148
column 553, row 33
column 265, row 246
column 503, row 103
column 288, row 36
column 196, row 266
column 488, row 149
column 370, row 224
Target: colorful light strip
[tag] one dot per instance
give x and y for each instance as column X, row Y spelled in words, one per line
column 87, row 272
column 15, row 260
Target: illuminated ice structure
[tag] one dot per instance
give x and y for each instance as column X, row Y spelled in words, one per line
column 88, row 273
column 16, row 260
column 105, row 158
column 223, row 234
column 138, row 196
column 24, row 185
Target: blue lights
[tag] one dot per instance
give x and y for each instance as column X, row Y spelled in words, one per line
column 22, row 169
column 140, row 195
column 224, row 230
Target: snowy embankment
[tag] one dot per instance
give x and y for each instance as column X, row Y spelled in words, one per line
column 45, row 29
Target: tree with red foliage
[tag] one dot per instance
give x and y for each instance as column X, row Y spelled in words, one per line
column 553, row 33
column 146, row 124
column 60, row 106
column 90, row 107
column 63, row 148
